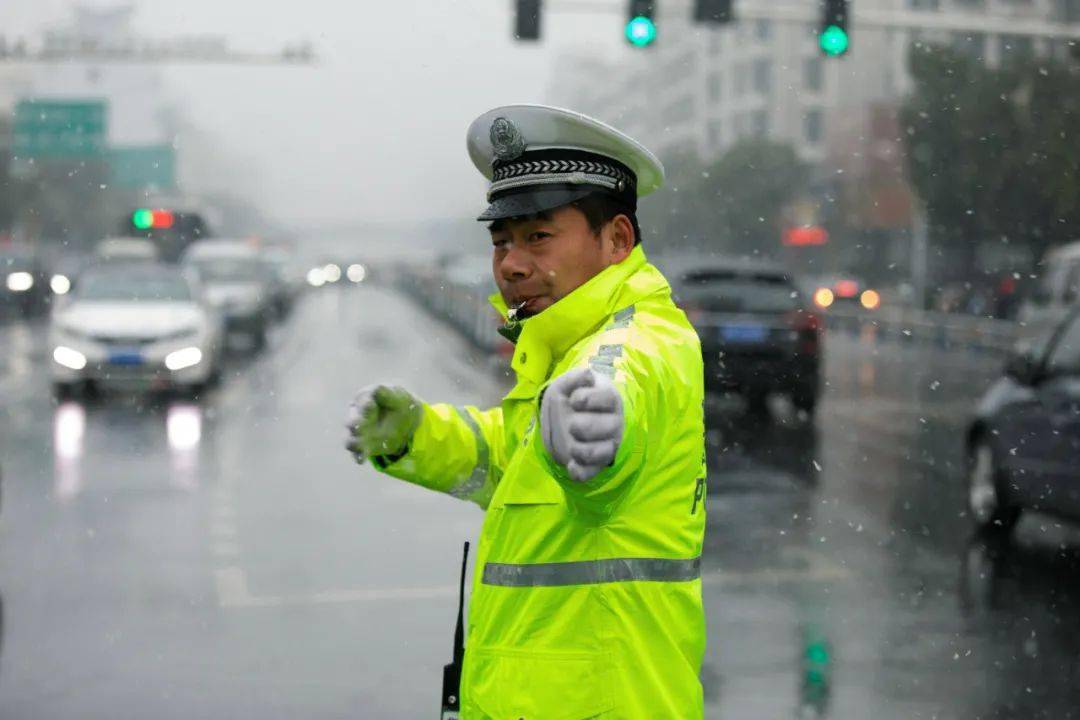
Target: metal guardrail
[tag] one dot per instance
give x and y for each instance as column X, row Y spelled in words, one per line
column 465, row 307
column 944, row 330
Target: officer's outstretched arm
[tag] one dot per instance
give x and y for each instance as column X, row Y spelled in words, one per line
column 456, row 450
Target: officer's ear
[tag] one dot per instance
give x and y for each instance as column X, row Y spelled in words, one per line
column 621, row 237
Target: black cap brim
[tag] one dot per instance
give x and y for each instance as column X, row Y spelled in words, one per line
column 533, row 201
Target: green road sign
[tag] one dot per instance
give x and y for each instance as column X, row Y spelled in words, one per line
column 143, row 167
column 49, row 129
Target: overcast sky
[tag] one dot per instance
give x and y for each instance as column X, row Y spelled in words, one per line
column 375, row 131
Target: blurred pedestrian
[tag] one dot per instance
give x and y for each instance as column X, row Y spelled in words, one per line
column 587, row 598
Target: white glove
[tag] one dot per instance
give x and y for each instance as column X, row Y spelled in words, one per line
column 381, row 421
column 581, row 422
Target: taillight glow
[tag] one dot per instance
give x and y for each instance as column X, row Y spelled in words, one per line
column 693, row 312
column 803, row 320
column 847, row 288
column 823, row 297
column 808, row 327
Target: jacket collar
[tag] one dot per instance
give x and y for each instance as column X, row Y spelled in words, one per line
column 545, row 338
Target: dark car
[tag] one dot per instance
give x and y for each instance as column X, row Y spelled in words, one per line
column 1023, row 447
column 24, row 282
column 758, row 334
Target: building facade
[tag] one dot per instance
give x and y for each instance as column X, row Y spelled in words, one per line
column 702, row 88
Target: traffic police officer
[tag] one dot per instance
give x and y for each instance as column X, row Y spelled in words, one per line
column 587, row 596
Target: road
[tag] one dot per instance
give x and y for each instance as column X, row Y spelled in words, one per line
column 227, row 559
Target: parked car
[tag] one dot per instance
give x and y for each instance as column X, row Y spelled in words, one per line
column 286, row 280
column 1023, row 445
column 758, row 333
column 134, row 327
column 126, row 249
column 238, row 282
column 1057, row 291
column 24, row 282
column 844, row 290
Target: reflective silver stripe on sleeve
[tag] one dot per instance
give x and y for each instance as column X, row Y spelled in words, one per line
column 478, row 477
column 622, row 318
column 592, row 572
column 604, row 359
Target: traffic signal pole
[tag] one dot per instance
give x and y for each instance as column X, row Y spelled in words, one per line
column 161, row 52
column 810, row 11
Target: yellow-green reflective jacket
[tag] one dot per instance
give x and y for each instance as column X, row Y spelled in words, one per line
column 586, row 597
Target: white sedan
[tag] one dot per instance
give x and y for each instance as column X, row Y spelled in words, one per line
column 135, row 327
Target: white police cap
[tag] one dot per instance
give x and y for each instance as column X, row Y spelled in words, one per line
column 540, row 158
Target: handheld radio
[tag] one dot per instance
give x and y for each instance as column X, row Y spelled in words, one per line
column 451, row 687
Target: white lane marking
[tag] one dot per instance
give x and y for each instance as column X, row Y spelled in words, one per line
column 225, row 549
column 233, row 592
column 231, row 586
column 8, row 385
column 223, row 530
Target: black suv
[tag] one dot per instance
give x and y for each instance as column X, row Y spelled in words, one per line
column 758, row 334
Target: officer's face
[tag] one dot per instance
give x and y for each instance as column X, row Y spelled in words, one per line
column 542, row 259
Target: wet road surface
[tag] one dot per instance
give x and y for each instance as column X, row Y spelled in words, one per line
column 225, row 558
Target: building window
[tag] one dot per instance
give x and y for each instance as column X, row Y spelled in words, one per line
column 762, row 76
column 716, row 133
column 679, row 112
column 972, row 44
column 715, row 87
column 761, row 123
column 812, row 126
column 716, row 43
column 763, row 30
column 740, row 126
column 1069, row 11
column 740, row 81
column 813, row 78
column 1016, row 47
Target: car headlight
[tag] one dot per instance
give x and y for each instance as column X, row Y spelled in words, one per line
column 184, row 358
column 60, row 284
column 20, row 281
column 356, row 273
column 69, row 358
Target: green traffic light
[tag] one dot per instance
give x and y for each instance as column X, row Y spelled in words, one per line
column 641, row 31
column 834, row 41
column 818, row 654
column 142, row 219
